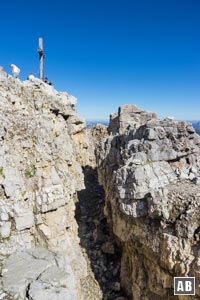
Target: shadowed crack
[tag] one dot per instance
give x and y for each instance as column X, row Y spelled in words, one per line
column 97, row 239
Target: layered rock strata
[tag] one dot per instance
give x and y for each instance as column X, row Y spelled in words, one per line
column 39, row 180
column 150, row 171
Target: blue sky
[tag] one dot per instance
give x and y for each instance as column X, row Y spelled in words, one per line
column 110, row 53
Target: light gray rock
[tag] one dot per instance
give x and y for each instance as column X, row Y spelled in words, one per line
column 40, row 172
column 197, row 180
column 184, row 176
column 150, row 134
column 129, row 117
column 53, row 284
column 191, row 176
column 35, row 272
column 148, row 168
column 4, row 216
column 20, row 270
column 24, row 220
column 5, row 229
column 194, row 170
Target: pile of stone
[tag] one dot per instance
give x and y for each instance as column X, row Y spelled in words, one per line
column 102, row 252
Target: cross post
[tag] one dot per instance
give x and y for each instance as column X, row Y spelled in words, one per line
column 41, row 57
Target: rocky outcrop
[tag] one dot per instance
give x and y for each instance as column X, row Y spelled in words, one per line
column 196, row 126
column 39, row 180
column 85, row 143
column 150, row 171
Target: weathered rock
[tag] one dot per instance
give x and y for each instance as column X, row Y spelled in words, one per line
column 24, row 221
column 54, row 284
column 36, row 273
column 5, row 230
column 39, row 179
column 148, row 168
column 129, row 116
column 86, row 144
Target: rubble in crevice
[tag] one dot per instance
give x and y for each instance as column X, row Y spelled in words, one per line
column 102, row 253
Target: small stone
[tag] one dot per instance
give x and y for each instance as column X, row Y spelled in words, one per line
column 4, row 216
column 5, row 230
column 2, row 296
column 104, row 279
column 137, row 161
column 197, row 180
column 183, row 176
column 191, row 176
column 194, row 170
column 24, row 220
column 115, row 271
column 108, row 248
column 116, row 286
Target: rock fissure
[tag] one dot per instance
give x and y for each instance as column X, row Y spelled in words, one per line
column 27, row 291
column 102, row 251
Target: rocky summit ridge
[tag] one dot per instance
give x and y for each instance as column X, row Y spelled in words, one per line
column 62, row 236
column 150, row 171
column 40, row 175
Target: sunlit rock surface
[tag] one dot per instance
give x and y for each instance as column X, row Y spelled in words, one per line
column 150, row 171
column 39, row 179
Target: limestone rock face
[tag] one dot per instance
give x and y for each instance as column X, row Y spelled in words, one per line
column 150, row 172
column 39, row 179
column 86, row 142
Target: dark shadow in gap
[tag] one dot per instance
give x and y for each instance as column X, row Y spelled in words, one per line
column 96, row 237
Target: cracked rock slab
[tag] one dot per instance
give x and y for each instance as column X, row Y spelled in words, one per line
column 54, row 284
column 39, row 274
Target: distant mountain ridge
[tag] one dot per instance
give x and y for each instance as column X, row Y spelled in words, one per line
column 90, row 123
column 196, row 125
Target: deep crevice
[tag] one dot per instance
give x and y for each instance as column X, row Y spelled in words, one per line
column 95, row 234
